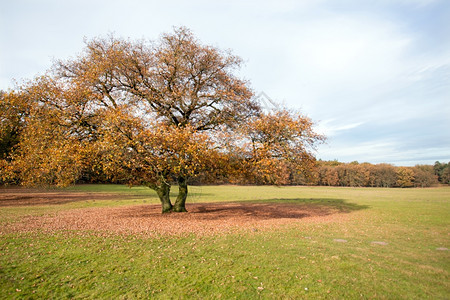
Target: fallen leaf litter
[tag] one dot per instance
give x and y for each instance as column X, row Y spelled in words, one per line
column 201, row 218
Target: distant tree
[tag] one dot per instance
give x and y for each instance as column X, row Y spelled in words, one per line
column 327, row 173
column 353, row 174
column 424, row 176
column 405, row 177
column 445, row 177
column 384, row 175
column 442, row 170
column 331, row 177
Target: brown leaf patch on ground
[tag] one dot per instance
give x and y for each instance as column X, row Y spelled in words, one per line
column 202, row 219
column 33, row 197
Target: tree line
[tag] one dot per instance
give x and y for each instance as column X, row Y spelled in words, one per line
column 333, row 173
column 354, row 174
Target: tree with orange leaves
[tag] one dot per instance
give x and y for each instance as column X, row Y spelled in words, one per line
column 147, row 104
column 155, row 114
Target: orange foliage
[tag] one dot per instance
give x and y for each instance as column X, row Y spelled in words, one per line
column 154, row 113
column 369, row 175
column 277, row 145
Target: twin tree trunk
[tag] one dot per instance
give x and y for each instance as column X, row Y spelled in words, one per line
column 163, row 192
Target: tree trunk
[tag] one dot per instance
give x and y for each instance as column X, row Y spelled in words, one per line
column 163, row 192
column 180, row 203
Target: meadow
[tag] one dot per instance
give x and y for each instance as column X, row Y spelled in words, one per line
column 342, row 243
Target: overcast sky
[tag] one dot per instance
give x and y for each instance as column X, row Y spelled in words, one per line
column 374, row 75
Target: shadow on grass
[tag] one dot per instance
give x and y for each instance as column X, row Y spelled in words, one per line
column 338, row 204
column 273, row 208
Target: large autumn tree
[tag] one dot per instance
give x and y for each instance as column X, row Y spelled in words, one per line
column 155, row 114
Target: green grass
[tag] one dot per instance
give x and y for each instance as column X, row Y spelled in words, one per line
column 301, row 260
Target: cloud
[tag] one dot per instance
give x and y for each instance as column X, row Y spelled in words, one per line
column 332, row 127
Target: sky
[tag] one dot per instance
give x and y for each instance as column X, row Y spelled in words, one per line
column 373, row 75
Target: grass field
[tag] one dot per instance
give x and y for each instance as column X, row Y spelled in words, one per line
column 379, row 243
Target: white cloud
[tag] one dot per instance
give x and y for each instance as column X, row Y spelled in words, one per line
column 333, row 126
